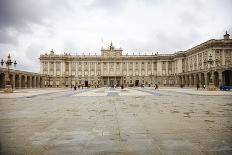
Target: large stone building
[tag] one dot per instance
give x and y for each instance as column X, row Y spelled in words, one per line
column 209, row 62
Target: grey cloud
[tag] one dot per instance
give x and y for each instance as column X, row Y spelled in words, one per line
column 20, row 15
column 29, row 27
column 7, row 38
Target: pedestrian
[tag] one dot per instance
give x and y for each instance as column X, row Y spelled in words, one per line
column 204, row 86
column 156, row 86
column 198, row 86
column 75, row 87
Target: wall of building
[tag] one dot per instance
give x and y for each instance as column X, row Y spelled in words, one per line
column 181, row 68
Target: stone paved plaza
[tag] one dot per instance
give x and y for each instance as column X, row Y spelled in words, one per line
column 108, row 121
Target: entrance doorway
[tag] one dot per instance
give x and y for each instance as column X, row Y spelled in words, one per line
column 118, row 83
column 86, row 83
column 227, row 77
column 136, row 83
column 111, row 83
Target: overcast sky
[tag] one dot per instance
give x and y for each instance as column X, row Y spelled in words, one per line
column 29, row 28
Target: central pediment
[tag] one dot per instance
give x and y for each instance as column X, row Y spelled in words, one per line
column 111, row 51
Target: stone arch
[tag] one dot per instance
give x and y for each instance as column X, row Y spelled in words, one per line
column 2, row 80
column 17, row 81
column 227, row 77
column 23, row 83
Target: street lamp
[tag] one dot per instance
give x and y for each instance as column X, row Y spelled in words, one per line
column 210, row 63
column 8, row 62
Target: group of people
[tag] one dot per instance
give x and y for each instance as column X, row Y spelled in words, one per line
column 82, row 86
column 198, row 86
column 79, row 86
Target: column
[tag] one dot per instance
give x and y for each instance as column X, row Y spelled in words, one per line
column 54, row 72
column 206, row 79
column 152, row 68
column 133, row 68
column 48, row 67
column 167, row 73
column 127, row 68
column 69, row 69
column 95, row 69
column 220, row 78
column 20, row 81
column 199, row 80
column 42, row 84
column 13, row 81
column 145, row 64
column 76, row 71
column 190, row 80
column 212, row 77
column 82, row 70
column 194, row 79
column 89, row 74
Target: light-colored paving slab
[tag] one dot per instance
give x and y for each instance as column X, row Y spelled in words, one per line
column 31, row 92
column 163, row 122
column 194, row 91
column 100, row 92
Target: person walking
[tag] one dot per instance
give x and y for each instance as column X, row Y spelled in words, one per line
column 198, row 86
column 156, row 86
column 204, row 86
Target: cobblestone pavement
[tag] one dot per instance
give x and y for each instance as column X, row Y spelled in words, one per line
column 133, row 121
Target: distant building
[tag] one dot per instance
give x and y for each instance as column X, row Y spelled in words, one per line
column 187, row 68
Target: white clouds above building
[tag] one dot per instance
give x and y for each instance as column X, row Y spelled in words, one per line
column 29, row 28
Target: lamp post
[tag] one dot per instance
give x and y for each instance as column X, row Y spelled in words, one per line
column 210, row 63
column 8, row 62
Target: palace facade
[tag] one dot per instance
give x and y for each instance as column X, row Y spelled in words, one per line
column 209, row 62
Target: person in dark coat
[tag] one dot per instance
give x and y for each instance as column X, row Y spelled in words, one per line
column 198, row 86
